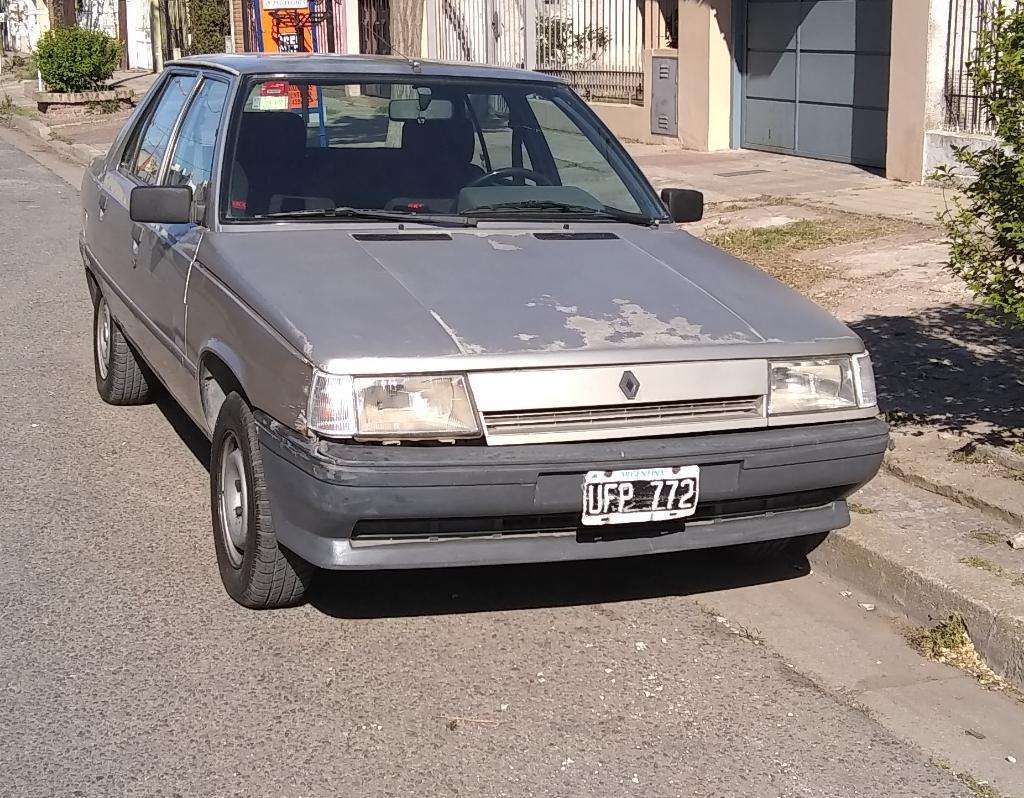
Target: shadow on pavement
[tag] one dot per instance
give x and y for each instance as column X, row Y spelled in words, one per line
column 388, row 594
column 950, row 370
column 186, row 428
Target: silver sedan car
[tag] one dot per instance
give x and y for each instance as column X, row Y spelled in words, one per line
column 433, row 315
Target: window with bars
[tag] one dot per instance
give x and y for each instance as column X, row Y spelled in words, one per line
column 965, row 111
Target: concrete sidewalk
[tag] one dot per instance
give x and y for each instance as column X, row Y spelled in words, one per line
column 746, row 176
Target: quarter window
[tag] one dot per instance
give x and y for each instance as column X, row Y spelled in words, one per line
column 145, row 153
column 192, row 157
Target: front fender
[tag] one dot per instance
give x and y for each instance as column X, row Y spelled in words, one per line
column 274, row 377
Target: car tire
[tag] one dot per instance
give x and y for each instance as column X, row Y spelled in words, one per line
column 784, row 547
column 256, row 571
column 121, row 379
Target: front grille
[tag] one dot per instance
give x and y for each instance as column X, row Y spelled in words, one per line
column 517, row 526
column 622, row 418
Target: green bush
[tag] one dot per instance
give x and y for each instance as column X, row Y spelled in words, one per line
column 76, row 59
column 208, row 25
column 985, row 218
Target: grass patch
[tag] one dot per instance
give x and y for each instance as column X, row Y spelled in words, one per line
column 1018, row 448
column 968, row 454
column 987, row 537
column 1017, row 579
column 773, row 248
column 950, row 643
column 860, row 509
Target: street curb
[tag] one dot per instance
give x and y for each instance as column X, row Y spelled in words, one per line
column 81, row 154
column 954, row 493
column 925, row 595
column 1004, row 457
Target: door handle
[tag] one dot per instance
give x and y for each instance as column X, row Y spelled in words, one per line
column 102, row 204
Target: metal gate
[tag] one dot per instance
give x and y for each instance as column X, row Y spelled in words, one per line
column 816, row 79
column 594, row 45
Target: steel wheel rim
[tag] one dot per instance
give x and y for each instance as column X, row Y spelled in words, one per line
column 233, row 501
column 104, row 331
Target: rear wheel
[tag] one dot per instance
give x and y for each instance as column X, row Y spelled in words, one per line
column 121, row 378
column 784, row 547
column 256, row 571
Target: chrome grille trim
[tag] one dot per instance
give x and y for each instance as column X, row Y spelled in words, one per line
column 626, row 420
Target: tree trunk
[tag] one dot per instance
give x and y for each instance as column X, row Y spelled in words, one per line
column 55, row 8
column 406, row 27
column 62, row 13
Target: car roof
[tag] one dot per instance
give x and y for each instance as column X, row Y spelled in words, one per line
column 319, row 64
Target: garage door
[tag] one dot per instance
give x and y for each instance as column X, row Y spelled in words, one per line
column 816, row 78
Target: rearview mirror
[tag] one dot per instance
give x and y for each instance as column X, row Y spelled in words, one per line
column 408, row 110
column 684, row 204
column 161, row 204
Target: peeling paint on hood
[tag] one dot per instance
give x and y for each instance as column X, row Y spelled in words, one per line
column 633, row 326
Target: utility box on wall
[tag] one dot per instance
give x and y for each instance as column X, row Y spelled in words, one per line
column 665, row 95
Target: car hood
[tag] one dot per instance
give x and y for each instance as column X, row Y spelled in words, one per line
column 592, row 294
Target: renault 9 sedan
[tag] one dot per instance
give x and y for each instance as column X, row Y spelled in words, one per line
column 433, row 315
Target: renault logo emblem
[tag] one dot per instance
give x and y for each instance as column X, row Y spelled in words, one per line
column 629, row 385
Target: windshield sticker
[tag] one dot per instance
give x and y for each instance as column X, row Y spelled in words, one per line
column 272, row 103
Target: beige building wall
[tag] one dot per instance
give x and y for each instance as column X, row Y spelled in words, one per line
column 705, row 73
column 705, row 82
column 907, row 89
column 920, row 34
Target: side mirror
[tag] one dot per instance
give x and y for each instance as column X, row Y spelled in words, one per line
column 161, row 204
column 684, row 204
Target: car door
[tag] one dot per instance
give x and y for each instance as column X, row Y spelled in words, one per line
column 167, row 251
column 140, row 164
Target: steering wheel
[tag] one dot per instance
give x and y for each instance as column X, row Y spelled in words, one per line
column 507, row 174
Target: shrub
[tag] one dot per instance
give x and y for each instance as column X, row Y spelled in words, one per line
column 24, row 66
column 559, row 42
column 76, row 59
column 208, row 25
column 985, row 218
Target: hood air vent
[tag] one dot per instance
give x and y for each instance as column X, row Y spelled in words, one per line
column 575, row 236
column 401, row 237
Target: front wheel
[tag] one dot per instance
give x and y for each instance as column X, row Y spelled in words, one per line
column 256, row 571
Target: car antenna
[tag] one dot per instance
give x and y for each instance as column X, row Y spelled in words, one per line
column 413, row 63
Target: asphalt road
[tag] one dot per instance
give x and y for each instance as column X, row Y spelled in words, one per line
column 126, row 670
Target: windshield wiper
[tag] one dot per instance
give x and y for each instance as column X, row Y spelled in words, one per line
column 345, row 212
column 612, row 214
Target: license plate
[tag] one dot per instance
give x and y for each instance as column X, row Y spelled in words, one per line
column 638, row 495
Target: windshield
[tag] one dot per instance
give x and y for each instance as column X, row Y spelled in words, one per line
column 426, row 147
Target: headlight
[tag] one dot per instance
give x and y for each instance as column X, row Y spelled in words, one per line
column 432, row 406
column 807, row 386
column 864, row 374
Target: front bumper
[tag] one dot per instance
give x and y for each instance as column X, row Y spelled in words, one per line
column 348, row 506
